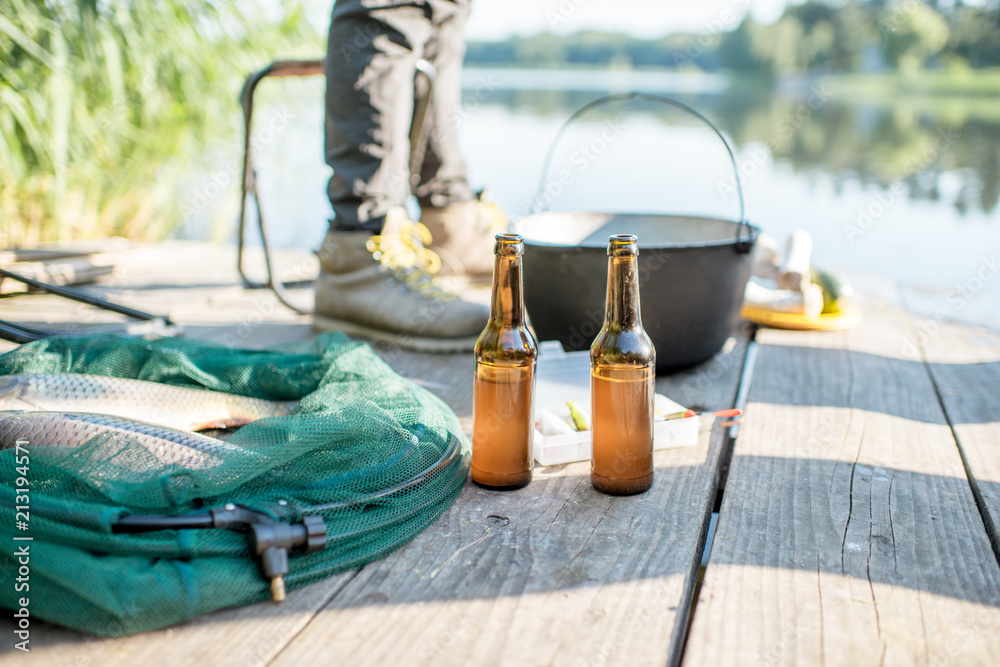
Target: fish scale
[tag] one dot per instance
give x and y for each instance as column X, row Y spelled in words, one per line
column 183, row 408
column 69, row 429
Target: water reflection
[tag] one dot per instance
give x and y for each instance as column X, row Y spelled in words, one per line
column 875, row 145
column 904, row 145
column 904, row 188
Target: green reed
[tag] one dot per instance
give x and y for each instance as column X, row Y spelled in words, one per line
column 105, row 106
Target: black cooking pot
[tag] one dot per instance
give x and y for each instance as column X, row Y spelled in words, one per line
column 692, row 270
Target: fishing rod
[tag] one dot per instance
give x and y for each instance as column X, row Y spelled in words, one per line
column 20, row 333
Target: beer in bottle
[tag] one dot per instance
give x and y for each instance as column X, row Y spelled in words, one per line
column 504, row 386
column 622, row 382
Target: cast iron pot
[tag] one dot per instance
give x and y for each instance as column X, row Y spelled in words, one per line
column 692, row 270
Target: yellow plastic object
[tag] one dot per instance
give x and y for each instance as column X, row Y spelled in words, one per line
column 576, row 414
column 848, row 317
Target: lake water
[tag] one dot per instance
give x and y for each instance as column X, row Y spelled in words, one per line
column 906, row 188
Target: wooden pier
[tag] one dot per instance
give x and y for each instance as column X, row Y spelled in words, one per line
column 857, row 512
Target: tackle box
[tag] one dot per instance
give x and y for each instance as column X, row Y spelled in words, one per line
column 563, row 377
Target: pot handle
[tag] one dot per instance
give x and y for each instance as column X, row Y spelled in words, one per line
column 743, row 244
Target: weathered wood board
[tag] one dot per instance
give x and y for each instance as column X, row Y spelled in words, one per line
column 579, row 573
column 965, row 366
column 848, row 532
column 233, row 637
column 554, row 573
column 194, row 283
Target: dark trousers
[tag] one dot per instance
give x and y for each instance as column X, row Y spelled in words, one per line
column 371, row 89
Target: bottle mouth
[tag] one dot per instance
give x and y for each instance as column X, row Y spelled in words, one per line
column 623, row 245
column 508, row 244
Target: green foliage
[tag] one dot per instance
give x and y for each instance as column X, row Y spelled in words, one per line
column 827, row 35
column 595, row 49
column 878, row 137
column 854, row 30
column 913, row 32
column 104, row 105
column 975, row 35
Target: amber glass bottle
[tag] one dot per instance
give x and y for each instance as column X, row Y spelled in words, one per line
column 622, row 382
column 503, row 391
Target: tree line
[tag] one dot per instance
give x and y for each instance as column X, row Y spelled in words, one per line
column 845, row 36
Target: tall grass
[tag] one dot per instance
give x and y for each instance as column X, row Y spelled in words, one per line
column 104, row 105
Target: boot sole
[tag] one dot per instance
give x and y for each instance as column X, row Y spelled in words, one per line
column 403, row 340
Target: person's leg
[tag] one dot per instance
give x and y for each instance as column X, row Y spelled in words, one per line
column 370, row 70
column 462, row 227
column 369, row 282
column 442, row 178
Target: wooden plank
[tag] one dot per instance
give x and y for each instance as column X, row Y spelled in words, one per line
column 194, row 283
column 554, row 573
column 611, row 578
column 70, row 271
column 190, row 281
column 239, row 637
column 16, row 255
column 965, row 365
column 254, row 635
column 848, row 533
column 49, row 251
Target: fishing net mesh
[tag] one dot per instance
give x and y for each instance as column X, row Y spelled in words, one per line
column 376, row 456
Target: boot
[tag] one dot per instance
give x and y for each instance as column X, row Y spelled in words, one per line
column 463, row 234
column 381, row 287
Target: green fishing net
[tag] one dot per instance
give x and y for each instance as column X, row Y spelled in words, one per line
column 377, row 457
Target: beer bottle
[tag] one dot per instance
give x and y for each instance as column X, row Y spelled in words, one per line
column 504, row 387
column 622, row 382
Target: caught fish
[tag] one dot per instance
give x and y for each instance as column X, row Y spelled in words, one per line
column 182, row 408
column 74, row 429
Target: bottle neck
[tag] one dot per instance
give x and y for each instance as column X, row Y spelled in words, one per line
column 622, row 306
column 507, row 305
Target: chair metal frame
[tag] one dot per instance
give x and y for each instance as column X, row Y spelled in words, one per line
column 298, row 68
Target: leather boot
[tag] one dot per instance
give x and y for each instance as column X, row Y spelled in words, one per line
column 381, row 287
column 462, row 235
